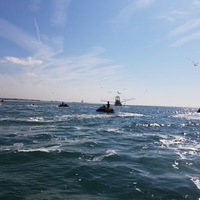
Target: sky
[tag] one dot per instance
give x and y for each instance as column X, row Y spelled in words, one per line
column 92, row 50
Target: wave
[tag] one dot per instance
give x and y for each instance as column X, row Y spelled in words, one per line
column 122, row 114
column 182, row 146
column 108, row 153
column 153, row 125
column 42, row 149
column 196, row 181
column 57, row 118
column 189, row 116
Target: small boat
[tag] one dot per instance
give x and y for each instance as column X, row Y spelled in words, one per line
column 63, row 105
column 105, row 109
column 2, row 102
column 198, row 110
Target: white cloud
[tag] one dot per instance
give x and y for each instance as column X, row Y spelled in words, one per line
column 60, row 11
column 47, row 69
column 26, row 62
column 48, row 66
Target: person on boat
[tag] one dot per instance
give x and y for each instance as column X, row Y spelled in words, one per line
column 108, row 105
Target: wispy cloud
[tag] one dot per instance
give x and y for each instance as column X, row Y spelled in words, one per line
column 9, row 32
column 60, row 11
column 172, row 15
column 127, row 12
column 187, row 38
column 186, row 32
column 37, row 29
column 26, row 62
column 49, row 67
column 86, row 67
column 190, row 25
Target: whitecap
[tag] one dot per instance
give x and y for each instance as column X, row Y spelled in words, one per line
column 196, row 181
column 154, row 125
column 108, row 153
column 138, row 189
column 173, row 140
column 130, row 115
column 42, row 149
column 82, row 116
column 183, row 147
column 35, row 119
column 188, row 116
column 114, row 130
column 175, row 165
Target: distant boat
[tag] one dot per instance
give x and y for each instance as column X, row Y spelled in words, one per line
column 2, row 102
column 198, row 110
column 117, row 101
column 63, row 105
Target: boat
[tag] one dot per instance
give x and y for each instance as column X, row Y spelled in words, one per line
column 63, row 105
column 2, row 102
column 117, row 101
column 105, row 109
column 198, row 111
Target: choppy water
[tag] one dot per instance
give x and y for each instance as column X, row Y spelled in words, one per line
column 138, row 152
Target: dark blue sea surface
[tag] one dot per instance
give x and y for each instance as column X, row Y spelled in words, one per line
column 138, row 152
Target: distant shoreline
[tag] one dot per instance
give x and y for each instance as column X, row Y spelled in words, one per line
column 25, row 100
column 36, row 100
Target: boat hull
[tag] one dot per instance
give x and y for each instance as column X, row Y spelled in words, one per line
column 65, row 105
column 106, row 110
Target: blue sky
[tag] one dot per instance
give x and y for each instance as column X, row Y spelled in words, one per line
column 73, row 50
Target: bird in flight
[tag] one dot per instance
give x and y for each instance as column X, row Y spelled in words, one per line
column 194, row 63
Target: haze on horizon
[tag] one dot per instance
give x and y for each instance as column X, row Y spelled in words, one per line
column 70, row 50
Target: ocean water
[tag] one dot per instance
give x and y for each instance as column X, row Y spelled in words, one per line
column 138, row 152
